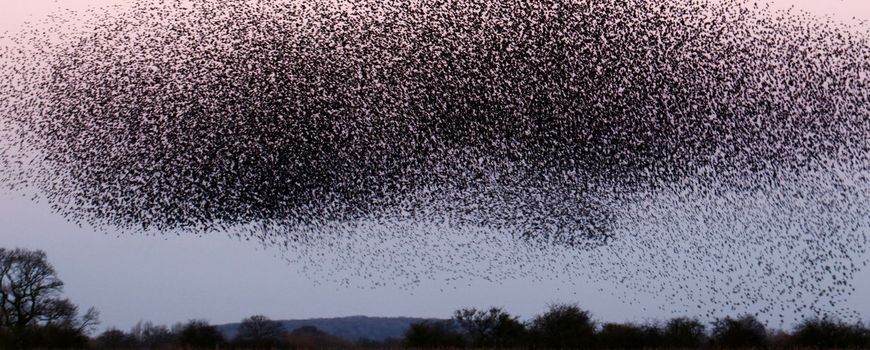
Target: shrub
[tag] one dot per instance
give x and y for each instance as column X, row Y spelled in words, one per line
column 259, row 332
column 116, row 339
column 309, row 337
column 743, row 332
column 151, row 336
column 490, row 328
column 683, row 332
column 428, row 334
column 199, row 334
column 826, row 333
column 564, row 326
column 628, row 336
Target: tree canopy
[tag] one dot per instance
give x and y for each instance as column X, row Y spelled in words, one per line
column 32, row 309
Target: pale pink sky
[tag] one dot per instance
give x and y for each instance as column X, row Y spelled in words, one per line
column 12, row 12
column 15, row 12
column 222, row 280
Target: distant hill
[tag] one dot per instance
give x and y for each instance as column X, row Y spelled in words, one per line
column 352, row 328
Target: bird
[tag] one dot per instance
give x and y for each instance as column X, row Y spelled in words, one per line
column 707, row 153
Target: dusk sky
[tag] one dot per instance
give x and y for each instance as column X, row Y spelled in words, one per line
column 171, row 278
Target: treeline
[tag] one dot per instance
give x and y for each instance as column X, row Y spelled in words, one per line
column 567, row 326
column 562, row 326
column 34, row 315
column 255, row 332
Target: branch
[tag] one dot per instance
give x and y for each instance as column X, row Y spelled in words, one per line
column 89, row 320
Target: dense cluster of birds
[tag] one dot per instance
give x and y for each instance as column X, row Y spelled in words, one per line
column 713, row 152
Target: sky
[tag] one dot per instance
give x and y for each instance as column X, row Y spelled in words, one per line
column 167, row 279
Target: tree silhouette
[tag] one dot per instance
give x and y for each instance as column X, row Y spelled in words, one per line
column 682, row 332
column 309, row 337
column 259, row 332
column 28, row 288
column 743, row 332
column 827, row 333
column 114, row 338
column 31, row 306
column 152, row 336
column 490, row 328
column 564, row 326
column 628, row 336
column 433, row 334
column 199, row 334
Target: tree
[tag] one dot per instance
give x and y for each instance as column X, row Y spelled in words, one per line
column 28, row 288
column 627, row 336
column 116, row 339
column 259, row 332
column 743, row 332
column 509, row 332
column 309, row 337
column 682, row 332
column 199, row 334
column 827, row 333
column 490, row 328
column 30, row 301
column 564, row 326
column 151, row 336
column 62, row 313
column 433, row 334
column 48, row 337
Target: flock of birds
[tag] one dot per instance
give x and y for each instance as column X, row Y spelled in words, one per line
column 714, row 153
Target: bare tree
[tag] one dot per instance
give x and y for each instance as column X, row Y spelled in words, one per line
column 151, row 336
column 260, row 332
column 199, row 334
column 30, row 294
column 114, row 338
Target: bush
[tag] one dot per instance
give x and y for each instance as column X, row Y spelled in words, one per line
column 683, row 332
column 309, row 337
column 259, row 332
column 440, row 334
column 628, row 336
column 743, row 332
column 563, row 326
column 150, row 336
column 199, row 334
column 116, row 339
column 825, row 333
column 43, row 337
column 490, row 328
column 780, row 339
